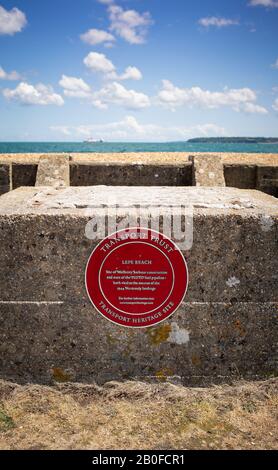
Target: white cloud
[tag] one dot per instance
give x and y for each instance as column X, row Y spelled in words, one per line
column 275, row 65
column 106, row 2
column 252, row 108
column 241, row 99
column 28, row 94
column 75, row 87
column 264, row 3
column 9, row 76
column 12, row 21
column 129, row 24
column 97, row 62
column 112, row 93
column 218, row 22
column 97, row 36
column 130, row 73
column 130, row 129
column 275, row 105
column 116, row 94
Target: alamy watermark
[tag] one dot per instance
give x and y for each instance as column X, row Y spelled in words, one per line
column 172, row 221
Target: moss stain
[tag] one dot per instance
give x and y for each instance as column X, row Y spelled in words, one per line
column 110, row 339
column 6, row 422
column 163, row 374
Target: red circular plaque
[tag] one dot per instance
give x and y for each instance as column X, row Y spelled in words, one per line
column 136, row 277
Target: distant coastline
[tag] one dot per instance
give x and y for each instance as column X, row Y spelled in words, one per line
column 234, row 140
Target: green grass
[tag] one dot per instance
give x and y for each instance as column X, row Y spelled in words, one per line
column 6, row 422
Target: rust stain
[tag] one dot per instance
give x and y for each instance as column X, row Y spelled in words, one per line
column 239, row 327
column 159, row 335
column 60, row 376
column 196, row 360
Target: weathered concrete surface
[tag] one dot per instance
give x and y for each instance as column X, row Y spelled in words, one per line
column 131, row 175
column 226, row 341
column 5, row 182
column 267, row 180
column 53, row 171
column 226, row 327
column 148, row 169
column 241, row 176
column 23, row 175
column 261, row 177
column 207, row 170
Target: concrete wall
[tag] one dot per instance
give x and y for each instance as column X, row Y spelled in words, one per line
column 130, row 175
column 241, row 176
column 94, row 175
column 24, row 175
column 5, row 182
column 246, row 171
column 267, row 180
column 264, row 178
column 225, row 329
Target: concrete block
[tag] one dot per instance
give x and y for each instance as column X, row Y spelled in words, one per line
column 208, row 170
column 241, row 176
column 53, row 171
column 131, row 175
column 4, row 178
column 24, row 175
column 227, row 321
column 267, row 180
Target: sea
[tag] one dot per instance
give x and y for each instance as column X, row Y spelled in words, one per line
column 121, row 147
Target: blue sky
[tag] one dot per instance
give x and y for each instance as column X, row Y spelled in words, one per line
column 138, row 70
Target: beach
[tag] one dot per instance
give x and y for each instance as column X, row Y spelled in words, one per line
column 145, row 158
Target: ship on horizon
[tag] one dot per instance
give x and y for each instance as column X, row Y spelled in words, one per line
column 91, row 140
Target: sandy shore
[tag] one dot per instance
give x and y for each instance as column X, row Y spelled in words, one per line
column 156, row 158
